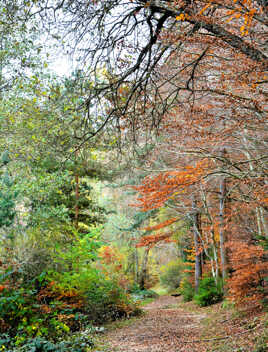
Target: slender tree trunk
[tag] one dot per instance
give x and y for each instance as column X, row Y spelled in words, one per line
column 258, row 218
column 214, row 258
column 136, row 263
column 222, row 228
column 264, row 222
column 143, row 273
column 76, row 215
column 197, row 231
column 76, row 207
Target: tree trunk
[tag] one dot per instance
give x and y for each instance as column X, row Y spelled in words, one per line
column 76, row 215
column 197, row 231
column 143, row 272
column 76, row 207
column 264, row 222
column 222, row 228
column 136, row 259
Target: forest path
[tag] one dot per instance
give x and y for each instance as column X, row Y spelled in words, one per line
column 166, row 326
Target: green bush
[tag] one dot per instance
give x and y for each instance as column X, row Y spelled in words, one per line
column 22, row 315
column 53, row 305
column 172, row 274
column 208, row 293
column 103, row 299
column 84, row 274
column 16, row 306
column 137, row 294
column 77, row 343
column 186, row 290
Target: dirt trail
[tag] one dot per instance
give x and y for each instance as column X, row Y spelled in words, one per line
column 163, row 328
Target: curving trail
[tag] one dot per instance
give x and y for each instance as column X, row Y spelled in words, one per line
column 164, row 328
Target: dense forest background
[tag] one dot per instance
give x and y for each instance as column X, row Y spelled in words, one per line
column 141, row 170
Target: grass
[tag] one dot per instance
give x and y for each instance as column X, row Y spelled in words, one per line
column 146, row 301
column 101, row 346
column 122, row 323
column 160, row 290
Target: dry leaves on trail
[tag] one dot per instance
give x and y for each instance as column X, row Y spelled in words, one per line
column 162, row 329
column 172, row 326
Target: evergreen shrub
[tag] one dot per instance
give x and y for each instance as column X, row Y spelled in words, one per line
column 208, row 293
column 137, row 294
column 186, row 290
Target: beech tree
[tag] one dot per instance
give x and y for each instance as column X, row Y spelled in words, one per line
column 131, row 40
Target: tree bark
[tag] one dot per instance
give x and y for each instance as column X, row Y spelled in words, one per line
column 143, row 273
column 76, row 207
column 76, row 215
column 197, row 231
column 222, row 227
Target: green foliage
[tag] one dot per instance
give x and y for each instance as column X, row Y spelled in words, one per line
column 5, row 158
column 79, row 253
column 23, row 313
column 67, row 299
column 53, row 281
column 7, row 208
column 7, row 195
column 138, row 294
column 50, row 199
column 39, row 344
column 103, row 299
column 208, row 293
column 77, row 343
column 186, row 290
column 15, row 305
column 18, row 54
column 171, row 274
column 44, row 198
column 107, row 301
column 82, row 274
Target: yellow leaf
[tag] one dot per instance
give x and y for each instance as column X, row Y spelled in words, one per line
column 181, row 17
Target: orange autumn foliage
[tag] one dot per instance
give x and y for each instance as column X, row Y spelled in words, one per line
column 157, row 190
column 247, row 283
column 68, row 298
column 216, row 74
column 151, row 240
column 111, row 256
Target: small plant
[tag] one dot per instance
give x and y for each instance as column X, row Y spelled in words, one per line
column 5, row 341
column 186, row 290
column 208, row 293
column 79, row 343
column 138, row 294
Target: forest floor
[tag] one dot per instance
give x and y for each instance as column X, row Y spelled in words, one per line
column 170, row 325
